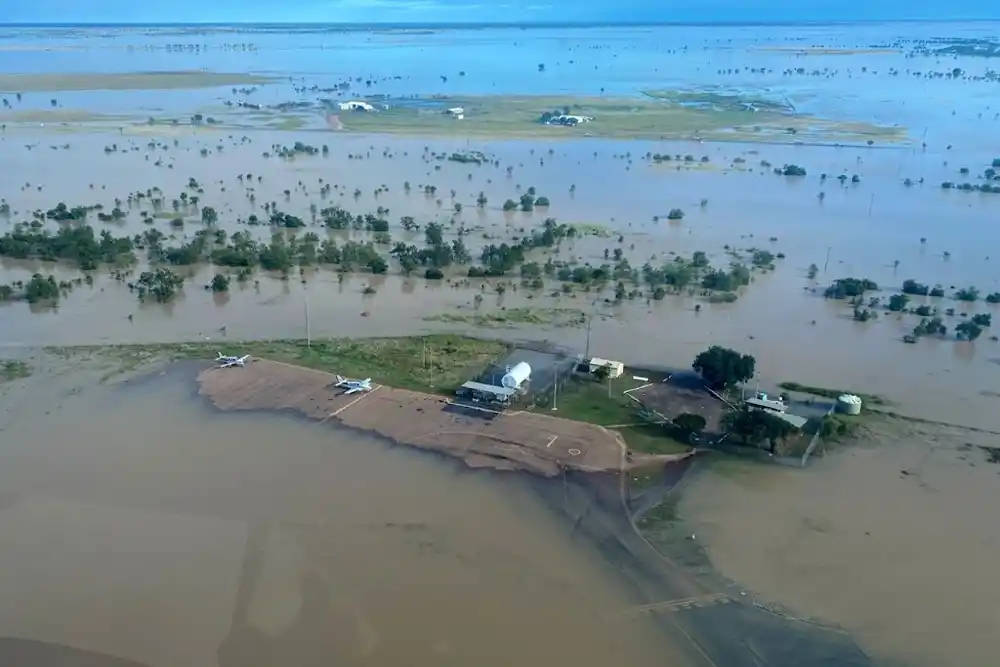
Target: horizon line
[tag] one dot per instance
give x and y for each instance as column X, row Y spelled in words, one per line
column 477, row 24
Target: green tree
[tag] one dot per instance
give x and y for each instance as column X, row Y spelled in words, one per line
column 897, row 302
column 722, row 367
column 209, row 216
column 675, row 214
column 969, row 294
column 689, row 423
column 220, row 283
column 602, row 374
column 968, row 331
column 982, row 320
column 754, row 427
column 41, row 288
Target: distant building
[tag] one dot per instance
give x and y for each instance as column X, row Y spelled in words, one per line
column 355, row 105
column 457, row 112
column 569, row 120
column 615, row 368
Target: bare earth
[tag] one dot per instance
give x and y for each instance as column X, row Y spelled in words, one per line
column 897, row 540
column 535, row 443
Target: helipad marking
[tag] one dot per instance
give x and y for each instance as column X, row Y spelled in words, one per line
column 574, row 452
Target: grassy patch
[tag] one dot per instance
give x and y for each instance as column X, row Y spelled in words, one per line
column 589, row 401
column 13, row 369
column 831, row 393
column 436, row 364
column 652, row 439
column 559, row 317
column 625, row 118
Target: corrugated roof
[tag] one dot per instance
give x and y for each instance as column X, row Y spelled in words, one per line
column 794, row 420
column 489, row 389
column 777, row 406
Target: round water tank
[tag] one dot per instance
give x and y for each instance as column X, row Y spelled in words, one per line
column 849, row 404
column 518, row 373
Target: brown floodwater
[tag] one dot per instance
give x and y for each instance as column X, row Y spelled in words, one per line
column 864, row 229
column 139, row 523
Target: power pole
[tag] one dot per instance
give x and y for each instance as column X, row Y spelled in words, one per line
column 308, row 326
column 555, row 388
column 827, row 262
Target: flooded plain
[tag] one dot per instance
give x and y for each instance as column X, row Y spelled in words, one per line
column 877, row 228
column 141, row 524
column 894, row 539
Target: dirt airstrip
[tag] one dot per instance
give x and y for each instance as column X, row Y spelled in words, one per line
column 535, row 443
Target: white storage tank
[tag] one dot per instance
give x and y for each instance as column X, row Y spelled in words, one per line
column 516, row 375
column 849, row 404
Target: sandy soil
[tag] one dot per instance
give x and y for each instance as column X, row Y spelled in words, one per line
column 895, row 539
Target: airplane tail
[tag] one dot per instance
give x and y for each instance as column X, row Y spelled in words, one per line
column 340, row 379
column 219, row 356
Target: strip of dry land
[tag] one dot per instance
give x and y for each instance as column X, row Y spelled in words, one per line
column 165, row 80
column 514, row 440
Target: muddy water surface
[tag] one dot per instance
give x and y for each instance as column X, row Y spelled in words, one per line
column 877, row 228
column 139, row 524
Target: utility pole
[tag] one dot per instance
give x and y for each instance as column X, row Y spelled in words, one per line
column 871, row 204
column 308, row 326
column 590, row 321
column 555, row 388
column 827, row 262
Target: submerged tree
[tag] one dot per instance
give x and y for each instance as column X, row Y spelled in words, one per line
column 722, row 368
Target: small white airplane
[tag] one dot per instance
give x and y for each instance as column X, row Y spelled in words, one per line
column 354, row 386
column 224, row 361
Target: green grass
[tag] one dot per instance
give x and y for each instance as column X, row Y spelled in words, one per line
column 652, row 439
column 831, row 393
column 588, row 401
column 625, row 118
column 558, row 317
column 436, row 363
column 13, row 369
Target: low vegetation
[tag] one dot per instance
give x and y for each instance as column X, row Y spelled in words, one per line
column 871, row 399
column 13, row 369
column 435, row 363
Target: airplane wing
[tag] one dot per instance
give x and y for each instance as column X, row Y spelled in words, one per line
column 352, row 390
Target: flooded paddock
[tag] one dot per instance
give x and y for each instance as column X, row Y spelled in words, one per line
column 877, row 228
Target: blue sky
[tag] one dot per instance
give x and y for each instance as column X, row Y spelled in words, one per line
column 448, row 11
